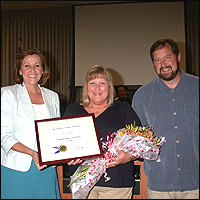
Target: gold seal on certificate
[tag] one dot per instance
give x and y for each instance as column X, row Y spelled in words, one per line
column 62, row 139
column 62, row 148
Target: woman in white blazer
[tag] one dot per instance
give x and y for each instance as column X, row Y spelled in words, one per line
column 21, row 175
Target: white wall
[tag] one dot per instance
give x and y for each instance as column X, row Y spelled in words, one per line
column 119, row 37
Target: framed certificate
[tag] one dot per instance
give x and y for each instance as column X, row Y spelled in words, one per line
column 67, row 138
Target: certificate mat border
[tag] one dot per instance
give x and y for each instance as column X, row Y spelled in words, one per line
column 62, row 161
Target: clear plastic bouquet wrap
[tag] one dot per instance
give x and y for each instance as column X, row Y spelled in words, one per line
column 138, row 141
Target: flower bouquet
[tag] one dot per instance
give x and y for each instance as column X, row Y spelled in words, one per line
column 138, row 141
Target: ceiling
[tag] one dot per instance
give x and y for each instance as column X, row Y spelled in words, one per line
column 19, row 5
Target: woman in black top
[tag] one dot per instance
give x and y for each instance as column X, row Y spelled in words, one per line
column 98, row 98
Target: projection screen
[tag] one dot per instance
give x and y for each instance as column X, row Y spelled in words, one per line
column 119, row 37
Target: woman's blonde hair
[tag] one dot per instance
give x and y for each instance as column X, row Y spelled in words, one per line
column 94, row 72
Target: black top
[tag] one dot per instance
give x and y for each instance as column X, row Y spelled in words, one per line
column 112, row 119
column 125, row 99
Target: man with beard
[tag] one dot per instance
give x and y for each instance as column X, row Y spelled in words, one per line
column 170, row 105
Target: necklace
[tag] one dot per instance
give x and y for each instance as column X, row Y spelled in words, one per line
column 97, row 112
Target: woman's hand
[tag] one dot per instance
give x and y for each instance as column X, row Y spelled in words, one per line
column 36, row 160
column 24, row 149
column 122, row 158
column 74, row 162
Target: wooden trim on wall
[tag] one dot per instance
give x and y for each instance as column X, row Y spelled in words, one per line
column 143, row 182
column 60, row 180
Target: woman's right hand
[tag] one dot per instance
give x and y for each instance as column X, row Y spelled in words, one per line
column 74, row 162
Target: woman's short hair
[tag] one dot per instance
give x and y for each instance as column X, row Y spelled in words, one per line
column 159, row 44
column 26, row 52
column 98, row 71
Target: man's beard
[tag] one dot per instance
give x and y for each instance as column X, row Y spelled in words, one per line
column 171, row 76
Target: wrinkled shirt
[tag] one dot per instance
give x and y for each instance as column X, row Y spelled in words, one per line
column 174, row 114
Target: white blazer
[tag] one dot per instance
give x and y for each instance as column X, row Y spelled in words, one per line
column 17, row 123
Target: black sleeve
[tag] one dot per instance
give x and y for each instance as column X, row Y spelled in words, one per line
column 74, row 109
column 131, row 115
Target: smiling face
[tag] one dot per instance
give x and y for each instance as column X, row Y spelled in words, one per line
column 31, row 69
column 166, row 63
column 98, row 91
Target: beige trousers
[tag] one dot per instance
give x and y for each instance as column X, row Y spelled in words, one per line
column 190, row 194
column 110, row 193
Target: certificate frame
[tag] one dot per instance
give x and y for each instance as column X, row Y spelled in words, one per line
column 62, row 139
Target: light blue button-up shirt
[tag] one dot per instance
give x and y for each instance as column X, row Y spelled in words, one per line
column 174, row 114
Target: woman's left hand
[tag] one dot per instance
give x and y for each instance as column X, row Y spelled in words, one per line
column 122, row 158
